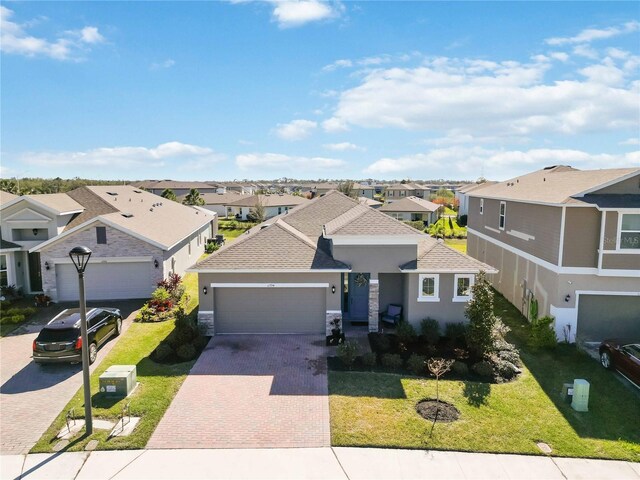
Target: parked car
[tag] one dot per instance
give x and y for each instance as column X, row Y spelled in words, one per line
column 60, row 340
column 623, row 357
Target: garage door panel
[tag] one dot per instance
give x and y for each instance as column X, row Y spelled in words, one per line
column 270, row 310
column 106, row 281
column 608, row 316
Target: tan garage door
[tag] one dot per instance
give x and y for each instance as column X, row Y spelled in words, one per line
column 270, row 310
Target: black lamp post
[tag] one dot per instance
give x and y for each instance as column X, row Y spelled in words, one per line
column 80, row 258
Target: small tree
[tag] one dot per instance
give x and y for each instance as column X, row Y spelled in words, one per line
column 347, row 189
column 257, row 213
column 438, row 367
column 193, row 198
column 169, row 194
column 482, row 321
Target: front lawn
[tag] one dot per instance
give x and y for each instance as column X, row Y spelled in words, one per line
column 378, row 409
column 159, row 383
column 457, row 243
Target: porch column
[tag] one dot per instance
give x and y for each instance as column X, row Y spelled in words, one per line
column 374, row 295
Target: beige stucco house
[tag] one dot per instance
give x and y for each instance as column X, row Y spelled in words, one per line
column 568, row 240
column 137, row 239
column 331, row 257
column 412, row 209
column 274, row 204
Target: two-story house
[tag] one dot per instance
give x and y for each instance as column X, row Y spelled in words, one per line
column 462, row 195
column 403, row 190
column 331, row 257
column 566, row 243
column 177, row 187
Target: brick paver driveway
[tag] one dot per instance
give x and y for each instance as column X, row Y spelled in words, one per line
column 251, row 391
column 31, row 396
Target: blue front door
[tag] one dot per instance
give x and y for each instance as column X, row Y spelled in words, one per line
column 359, row 296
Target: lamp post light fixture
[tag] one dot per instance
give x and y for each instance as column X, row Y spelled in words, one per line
column 80, row 258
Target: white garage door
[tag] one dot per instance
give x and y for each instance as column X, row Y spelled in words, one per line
column 106, row 281
column 270, row 310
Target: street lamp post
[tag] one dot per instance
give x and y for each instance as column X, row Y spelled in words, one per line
column 80, row 258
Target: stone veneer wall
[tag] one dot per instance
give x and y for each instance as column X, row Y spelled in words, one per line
column 206, row 323
column 374, row 308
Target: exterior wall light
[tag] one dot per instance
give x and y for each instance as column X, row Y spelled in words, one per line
column 204, row 290
column 46, row 266
column 155, row 263
column 567, row 298
column 333, row 289
column 35, row 232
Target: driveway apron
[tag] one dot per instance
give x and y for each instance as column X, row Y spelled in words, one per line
column 251, row 391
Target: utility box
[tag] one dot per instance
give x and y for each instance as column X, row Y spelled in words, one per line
column 567, row 392
column 118, row 380
column 580, row 402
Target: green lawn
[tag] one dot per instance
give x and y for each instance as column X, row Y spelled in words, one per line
column 158, row 386
column 458, row 244
column 449, row 211
column 376, row 409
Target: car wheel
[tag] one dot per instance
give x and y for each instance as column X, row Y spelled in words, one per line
column 118, row 326
column 93, row 353
column 605, row 358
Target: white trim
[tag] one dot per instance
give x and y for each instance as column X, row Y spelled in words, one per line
column 334, row 311
column 604, row 292
column 563, row 219
column 12, row 249
column 554, row 268
column 375, row 240
column 619, row 233
column 462, row 298
column 269, row 285
column 490, row 270
column 39, row 204
column 491, row 229
column 436, row 288
column 374, row 281
column 205, row 311
column 607, row 184
column 271, row 270
column 521, row 235
column 65, row 260
column 603, row 223
column 502, row 216
column 428, row 299
column 43, row 218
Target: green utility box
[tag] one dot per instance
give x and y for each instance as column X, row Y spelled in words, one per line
column 118, row 380
column 580, row 402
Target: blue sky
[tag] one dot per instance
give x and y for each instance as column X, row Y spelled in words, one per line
column 310, row 89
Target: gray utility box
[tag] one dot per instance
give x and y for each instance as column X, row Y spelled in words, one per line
column 118, row 380
column 580, row 401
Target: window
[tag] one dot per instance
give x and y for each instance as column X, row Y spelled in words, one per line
column 279, row 210
column 462, row 287
column 4, row 275
column 481, row 206
column 402, row 193
column 428, row 288
column 390, row 193
column 189, row 248
column 101, row 235
column 397, row 216
column 630, row 232
column 503, row 215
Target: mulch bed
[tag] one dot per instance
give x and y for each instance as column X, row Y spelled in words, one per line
column 431, row 410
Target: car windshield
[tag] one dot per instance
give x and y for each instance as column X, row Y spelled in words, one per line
column 58, row 334
column 633, row 349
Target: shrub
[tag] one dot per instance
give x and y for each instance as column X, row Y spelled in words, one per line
column 173, row 285
column 462, row 220
column 161, row 300
column 430, row 330
column 12, row 319
column 460, row 368
column 186, row 352
column 455, row 331
column 380, row 343
column 145, row 314
column 483, row 368
column 504, row 369
column 541, row 334
column 392, row 360
column 211, row 247
column 369, row 359
column 347, row 353
column 482, row 320
column 200, row 342
column 163, row 351
column 510, row 356
column 417, row 224
column 417, row 364
column 405, row 332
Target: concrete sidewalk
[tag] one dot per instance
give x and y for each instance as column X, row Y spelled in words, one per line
column 307, row 463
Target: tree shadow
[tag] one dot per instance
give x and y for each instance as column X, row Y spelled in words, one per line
column 476, row 393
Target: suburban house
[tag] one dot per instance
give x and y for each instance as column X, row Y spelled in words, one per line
column 242, row 188
column 217, row 202
column 319, row 189
column 402, row 190
column 462, row 195
column 136, row 237
column 273, row 204
column 179, row 188
column 412, row 209
column 331, row 258
column 566, row 243
column 370, row 202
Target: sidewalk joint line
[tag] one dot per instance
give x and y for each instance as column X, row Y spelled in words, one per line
column 557, row 466
column 340, row 463
column 81, row 466
column 142, row 452
column 24, row 461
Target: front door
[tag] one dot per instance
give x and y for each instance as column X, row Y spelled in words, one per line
column 359, row 296
column 35, row 275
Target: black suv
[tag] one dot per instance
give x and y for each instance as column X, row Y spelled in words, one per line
column 60, row 339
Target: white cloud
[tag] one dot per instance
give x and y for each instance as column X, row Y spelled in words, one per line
column 585, row 51
column 342, row 147
column 496, row 164
column 562, row 56
column 124, row 157
column 71, row 46
column 253, row 161
column 484, row 98
column 294, row 13
column 590, row 34
column 372, row 61
column 168, row 63
column 630, row 141
column 295, row 130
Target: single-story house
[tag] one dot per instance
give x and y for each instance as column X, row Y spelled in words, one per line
column 273, row 204
column 217, row 202
column 331, row 257
column 137, row 239
column 370, row 202
column 412, row 209
column 177, row 187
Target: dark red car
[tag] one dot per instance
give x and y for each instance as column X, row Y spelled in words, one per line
column 622, row 356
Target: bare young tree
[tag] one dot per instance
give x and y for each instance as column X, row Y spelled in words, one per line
column 438, row 367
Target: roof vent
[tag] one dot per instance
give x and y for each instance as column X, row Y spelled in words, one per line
column 550, row 168
column 113, row 194
column 137, row 191
column 151, row 209
column 127, row 215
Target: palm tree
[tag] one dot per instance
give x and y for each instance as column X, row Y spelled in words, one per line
column 169, row 194
column 193, row 198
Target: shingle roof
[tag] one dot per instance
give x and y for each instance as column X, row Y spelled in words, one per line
column 59, row 202
column 368, row 201
column 217, row 198
column 274, row 247
column 406, row 186
column 410, row 204
column 310, row 217
column 6, row 197
column 171, row 184
column 276, row 200
column 93, row 206
column 609, row 200
column 474, row 186
column 363, row 220
column 4, row 244
column 555, row 185
column 434, row 256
